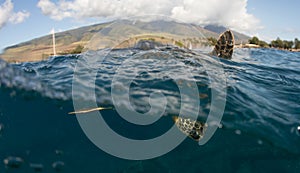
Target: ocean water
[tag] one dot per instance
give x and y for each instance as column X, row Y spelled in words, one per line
column 258, row 131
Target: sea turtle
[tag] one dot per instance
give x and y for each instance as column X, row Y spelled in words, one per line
column 224, row 46
column 193, row 128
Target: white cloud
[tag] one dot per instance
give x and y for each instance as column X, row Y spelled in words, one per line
column 19, row 17
column 5, row 11
column 8, row 15
column 229, row 13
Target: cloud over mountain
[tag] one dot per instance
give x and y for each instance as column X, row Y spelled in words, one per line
column 229, row 13
column 7, row 14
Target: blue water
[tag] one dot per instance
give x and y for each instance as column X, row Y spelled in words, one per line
column 258, row 131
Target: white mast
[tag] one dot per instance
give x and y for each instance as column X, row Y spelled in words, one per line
column 53, row 39
column 190, row 46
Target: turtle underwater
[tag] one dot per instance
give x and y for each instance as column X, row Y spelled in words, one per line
column 193, row 128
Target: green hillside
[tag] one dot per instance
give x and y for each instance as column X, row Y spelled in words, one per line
column 108, row 34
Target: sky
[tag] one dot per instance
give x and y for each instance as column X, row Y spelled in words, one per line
column 23, row 20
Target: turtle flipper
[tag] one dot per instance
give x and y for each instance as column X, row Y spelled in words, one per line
column 224, row 46
column 193, row 129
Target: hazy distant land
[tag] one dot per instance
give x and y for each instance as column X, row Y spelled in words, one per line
column 72, row 41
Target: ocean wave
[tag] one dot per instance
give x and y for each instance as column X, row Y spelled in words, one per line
column 262, row 84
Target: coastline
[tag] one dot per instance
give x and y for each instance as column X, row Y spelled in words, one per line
column 255, row 46
column 35, row 54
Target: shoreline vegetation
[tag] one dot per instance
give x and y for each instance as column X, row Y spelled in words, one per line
column 254, row 42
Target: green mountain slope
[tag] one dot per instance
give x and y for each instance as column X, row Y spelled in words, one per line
column 72, row 41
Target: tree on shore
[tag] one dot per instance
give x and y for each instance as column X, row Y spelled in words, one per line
column 288, row 44
column 278, row 43
column 284, row 44
column 296, row 43
column 263, row 44
column 255, row 40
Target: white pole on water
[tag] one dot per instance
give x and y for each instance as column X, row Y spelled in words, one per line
column 53, row 39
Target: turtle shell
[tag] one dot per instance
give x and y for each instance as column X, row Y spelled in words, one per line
column 224, row 46
column 193, row 129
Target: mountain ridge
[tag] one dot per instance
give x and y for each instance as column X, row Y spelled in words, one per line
column 220, row 29
column 67, row 41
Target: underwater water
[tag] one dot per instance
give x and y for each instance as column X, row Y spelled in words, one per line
column 258, row 131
